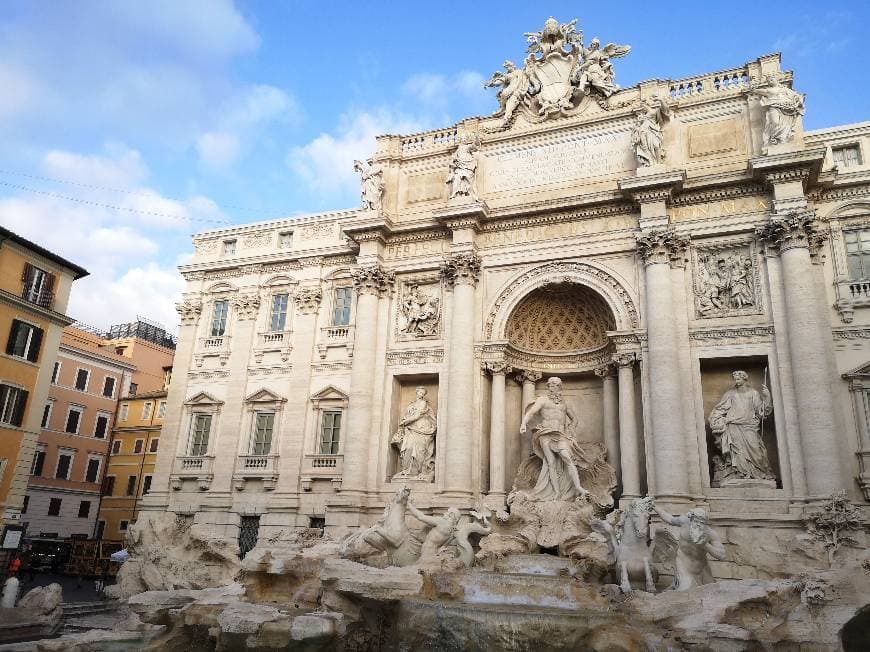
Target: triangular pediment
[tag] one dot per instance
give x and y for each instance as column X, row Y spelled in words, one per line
column 264, row 395
column 329, row 393
column 203, row 398
column 859, row 372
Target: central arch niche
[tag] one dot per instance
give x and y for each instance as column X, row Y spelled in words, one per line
column 560, row 318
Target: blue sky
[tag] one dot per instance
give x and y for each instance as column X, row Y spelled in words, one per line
column 183, row 114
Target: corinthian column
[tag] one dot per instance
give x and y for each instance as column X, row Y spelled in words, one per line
column 629, row 446
column 370, row 282
column 497, row 431
column 460, row 273
column 657, row 247
column 610, row 410
column 792, row 235
column 527, row 379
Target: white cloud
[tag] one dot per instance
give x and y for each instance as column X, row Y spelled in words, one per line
column 120, row 167
column 20, row 91
column 217, row 149
column 436, row 92
column 262, row 103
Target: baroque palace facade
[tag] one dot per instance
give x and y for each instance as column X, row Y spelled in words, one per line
column 641, row 244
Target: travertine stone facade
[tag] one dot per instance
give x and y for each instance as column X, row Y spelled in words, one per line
column 641, row 244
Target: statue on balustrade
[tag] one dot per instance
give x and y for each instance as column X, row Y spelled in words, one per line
column 462, row 170
column 559, row 462
column 782, row 107
column 646, row 137
column 415, row 440
column 372, row 184
column 736, row 422
column 696, row 539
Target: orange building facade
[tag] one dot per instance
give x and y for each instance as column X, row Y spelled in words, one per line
column 34, row 292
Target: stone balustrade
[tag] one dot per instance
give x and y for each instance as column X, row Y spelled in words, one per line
column 720, row 82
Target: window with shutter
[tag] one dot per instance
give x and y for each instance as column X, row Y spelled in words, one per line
column 24, row 341
column 64, row 462
column 12, row 403
column 131, row 485
column 38, row 462
column 93, row 470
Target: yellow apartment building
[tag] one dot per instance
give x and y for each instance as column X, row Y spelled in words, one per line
column 34, row 292
column 135, row 441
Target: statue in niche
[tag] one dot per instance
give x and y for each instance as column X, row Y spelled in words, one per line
column 422, row 312
column 415, row 440
column 782, row 108
column 735, row 423
column 372, row 184
column 515, row 84
column 724, row 283
column 462, row 170
column 558, row 459
column 646, row 137
column 695, row 541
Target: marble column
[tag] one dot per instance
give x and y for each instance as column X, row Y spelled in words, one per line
column 610, row 405
column 791, row 235
column 657, row 247
column 629, row 444
column 370, row 282
column 497, row 448
column 460, row 272
column 527, row 379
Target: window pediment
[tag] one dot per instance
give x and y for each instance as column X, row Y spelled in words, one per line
column 264, row 396
column 329, row 393
column 203, row 399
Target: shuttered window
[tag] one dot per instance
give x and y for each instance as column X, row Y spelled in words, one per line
column 24, row 341
column 13, row 401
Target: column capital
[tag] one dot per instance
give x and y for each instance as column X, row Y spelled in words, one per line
column 372, row 279
column 246, row 306
column 622, row 360
column 496, row 367
column 528, row 376
column 660, row 246
column 461, row 269
column 605, row 371
column 308, row 299
column 189, row 311
column 797, row 229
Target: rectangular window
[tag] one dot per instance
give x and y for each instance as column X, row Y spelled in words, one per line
column 84, row 508
column 279, row 312
column 122, row 526
column 101, row 426
column 219, row 318
column 147, row 408
column 134, row 387
column 858, row 253
column 12, row 403
column 285, row 240
column 199, row 436
column 846, row 157
column 26, row 503
column 54, row 507
column 24, row 341
column 341, row 307
column 146, row 484
column 229, row 247
column 330, row 431
column 38, row 462
column 152, row 447
column 124, row 412
column 55, row 373
column 93, row 471
column 137, row 447
column 64, row 463
column 109, row 485
column 46, row 414
column 38, row 286
column 82, row 378
column 73, row 420
column 116, row 447
column 264, row 423
column 161, row 409
column 109, row 387
column 131, row 485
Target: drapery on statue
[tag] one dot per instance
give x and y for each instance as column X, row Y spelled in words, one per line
column 646, row 136
column 422, row 312
column 735, row 423
column 372, row 184
column 559, row 460
column 596, row 70
column 415, row 439
column 696, row 540
column 514, row 84
column 782, row 108
column 462, row 170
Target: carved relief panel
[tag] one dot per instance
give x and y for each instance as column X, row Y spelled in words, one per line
column 419, row 309
column 725, row 280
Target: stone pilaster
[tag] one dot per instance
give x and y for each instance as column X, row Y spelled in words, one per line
column 629, row 443
column 610, row 411
column 460, row 272
column 791, row 235
column 370, row 282
column 497, row 447
column 659, row 248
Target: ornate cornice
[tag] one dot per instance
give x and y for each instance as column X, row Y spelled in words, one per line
column 494, row 367
column 732, row 333
column 527, row 376
column 834, row 194
column 851, row 333
column 797, row 229
column 415, row 356
column 717, row 194
column 461, row 269
column 308, row 300
column 662, row 246
column 372, row 279
column 785, row 175
column 189, row 311
column 605, row 371
column 246, row 306
column 624, row 359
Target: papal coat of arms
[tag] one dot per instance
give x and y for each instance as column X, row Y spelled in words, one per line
column 557, row 74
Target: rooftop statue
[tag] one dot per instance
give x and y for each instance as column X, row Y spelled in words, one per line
column 372, row 184
column 558, row 72
column 782, row 107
